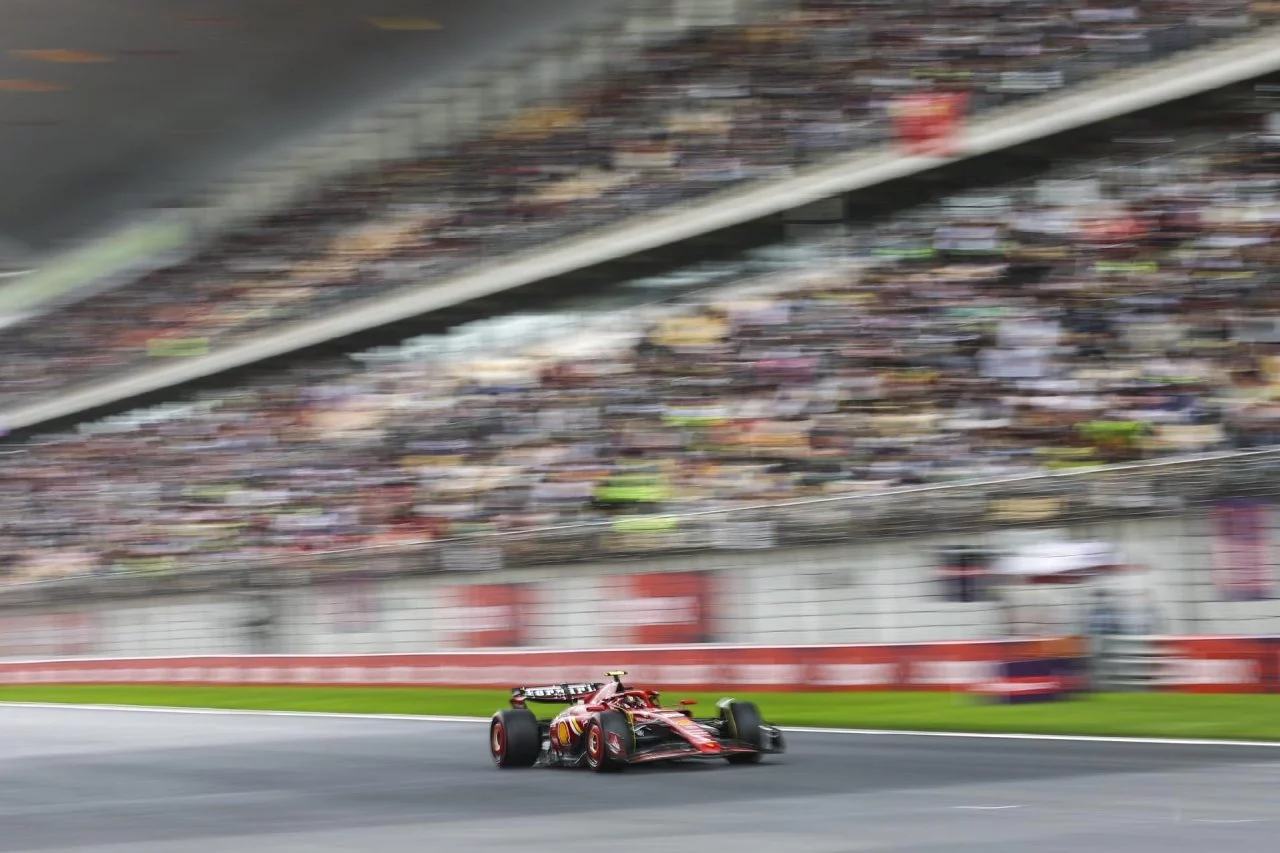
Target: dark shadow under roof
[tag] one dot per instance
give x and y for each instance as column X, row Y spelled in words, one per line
column 106, row 104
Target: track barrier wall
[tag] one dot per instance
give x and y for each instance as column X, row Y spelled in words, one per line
column 1192, row 665
column 925, row 666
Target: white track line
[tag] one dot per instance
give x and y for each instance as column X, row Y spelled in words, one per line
column 1171, row 741
column 242, row 712
column 428, row 718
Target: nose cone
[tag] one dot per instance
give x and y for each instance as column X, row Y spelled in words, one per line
column 709, row 746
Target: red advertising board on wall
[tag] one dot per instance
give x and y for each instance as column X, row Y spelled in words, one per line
column 663, row 608
column 1191, row 665
column 1220, row 665
column 929, row 124
column 939, row 666
column 48, row 634
column 349, row 607
column 491, row 616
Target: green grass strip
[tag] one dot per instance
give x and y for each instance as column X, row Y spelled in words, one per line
column 1241, row 717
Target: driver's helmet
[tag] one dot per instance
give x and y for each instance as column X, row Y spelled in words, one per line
column 632, row 701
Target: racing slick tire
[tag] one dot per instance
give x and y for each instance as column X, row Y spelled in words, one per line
column 515, row 739
column 608, row 742
column 742, row 723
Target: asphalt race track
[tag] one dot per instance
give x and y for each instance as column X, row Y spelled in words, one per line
column 90, row 780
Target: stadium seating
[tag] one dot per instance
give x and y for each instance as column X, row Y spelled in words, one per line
column 1120, row 309
column 719, row 107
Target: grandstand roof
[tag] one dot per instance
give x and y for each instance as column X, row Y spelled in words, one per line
column 108, row 103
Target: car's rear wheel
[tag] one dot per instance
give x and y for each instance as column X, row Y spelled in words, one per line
column 514, row 738
column 608, row 742
column 741, row 722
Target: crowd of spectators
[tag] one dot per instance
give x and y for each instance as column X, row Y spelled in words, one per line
column 713, row 108
column 1117, row 312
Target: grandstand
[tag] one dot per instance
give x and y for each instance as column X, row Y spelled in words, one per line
column 1025, row 318
column 786, row 87
column 1104, row 311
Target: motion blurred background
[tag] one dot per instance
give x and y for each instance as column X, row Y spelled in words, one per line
column 401, row 325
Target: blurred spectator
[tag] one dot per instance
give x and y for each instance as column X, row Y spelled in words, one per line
column 1113, row 313
column 717, row 107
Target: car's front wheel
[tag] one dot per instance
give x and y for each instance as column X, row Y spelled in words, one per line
column 514, row 738
column 607, row 742
column 741, row 721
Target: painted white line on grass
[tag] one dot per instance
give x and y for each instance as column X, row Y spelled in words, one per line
column 434, row 718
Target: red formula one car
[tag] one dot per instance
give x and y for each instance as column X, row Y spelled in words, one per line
column 609, row 725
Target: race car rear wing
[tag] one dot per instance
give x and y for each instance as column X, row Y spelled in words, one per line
column 554, row 694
